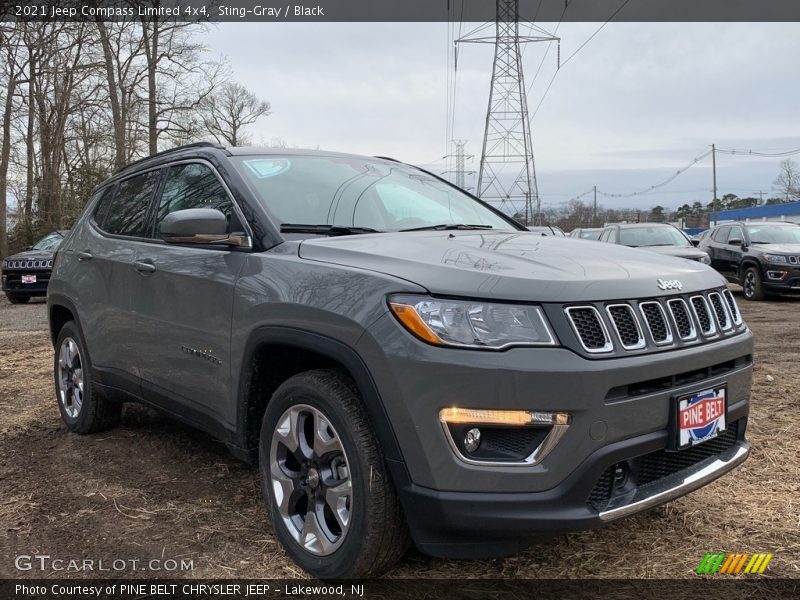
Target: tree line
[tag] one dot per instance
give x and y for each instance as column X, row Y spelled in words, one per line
column 576, row 213
column 81, row 99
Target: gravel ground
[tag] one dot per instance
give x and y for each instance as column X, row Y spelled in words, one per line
column 154, row 488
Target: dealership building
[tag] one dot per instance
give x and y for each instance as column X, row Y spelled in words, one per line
column 789, row 211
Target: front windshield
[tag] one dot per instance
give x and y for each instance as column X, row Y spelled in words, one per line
column 591, row 235
column 356, row 192
column 774, row 234
column 48, row 242
column 652, row 236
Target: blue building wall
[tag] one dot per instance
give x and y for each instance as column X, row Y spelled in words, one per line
column 772, row 212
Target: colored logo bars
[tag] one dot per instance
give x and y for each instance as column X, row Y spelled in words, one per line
column 733, row 563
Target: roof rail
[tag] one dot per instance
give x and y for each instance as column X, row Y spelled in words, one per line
column 169, row 151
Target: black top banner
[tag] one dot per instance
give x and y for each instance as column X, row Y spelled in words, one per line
column 404, row 10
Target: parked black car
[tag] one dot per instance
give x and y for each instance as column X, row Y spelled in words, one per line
column 763, row 257
column 654, row 237
column 27, row 274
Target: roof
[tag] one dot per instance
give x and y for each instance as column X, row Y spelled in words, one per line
column 636, row 225
column 757, row 212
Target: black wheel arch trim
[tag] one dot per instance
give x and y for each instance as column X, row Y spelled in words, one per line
column 746, row 264
column 334, row 350
column 54, row 300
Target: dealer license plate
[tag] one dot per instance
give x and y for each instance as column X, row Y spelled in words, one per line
column 701, row 416
column 29, row 279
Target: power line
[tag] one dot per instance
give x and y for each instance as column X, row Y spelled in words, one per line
column 571, row 56
column 760, row 154
column 661, row 184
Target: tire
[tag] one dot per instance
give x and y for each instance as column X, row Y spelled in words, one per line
column 752, row 287
column 17, row 299
column 82, row 409
column 370, row 534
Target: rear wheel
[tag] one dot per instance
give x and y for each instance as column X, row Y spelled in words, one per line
column 18, row 299
column 752, row 287
column 330, row 497
column 82, row 409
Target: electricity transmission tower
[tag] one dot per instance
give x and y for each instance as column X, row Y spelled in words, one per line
column 461, row 157
column 507, row 136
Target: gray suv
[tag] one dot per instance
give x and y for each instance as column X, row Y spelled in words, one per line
column 402, row 361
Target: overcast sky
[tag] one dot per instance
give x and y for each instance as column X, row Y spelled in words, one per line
column 634, row 105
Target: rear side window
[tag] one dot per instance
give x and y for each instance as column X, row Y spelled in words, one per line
column 721, row 235
column 101, row 208
column 193, row 185
column 127, row 212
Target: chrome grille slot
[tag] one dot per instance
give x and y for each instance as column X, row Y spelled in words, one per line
column 683, row 320
column 656, row 322
column 720, row 311
column 703, row 315
column 590, row 329
column 626, row 326
column 734, row 308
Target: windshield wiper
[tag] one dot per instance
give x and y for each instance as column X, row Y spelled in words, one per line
column 448, row 226
column 331, row 230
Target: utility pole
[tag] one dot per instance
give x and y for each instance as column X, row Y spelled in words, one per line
column 714, row 169
column 461, row 157
column 507, row 135
column 594, row 213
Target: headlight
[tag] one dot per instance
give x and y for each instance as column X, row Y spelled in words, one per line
column 472, row 324
column 5, row 263
column 705, row 259
column 776, row 259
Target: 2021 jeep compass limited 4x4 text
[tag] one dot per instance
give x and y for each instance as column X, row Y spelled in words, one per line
column 402, row 361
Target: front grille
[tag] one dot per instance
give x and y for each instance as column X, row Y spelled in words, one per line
column 626, row 325
column 29, row 264
column 701, row 312
column 737, row 316
column 793, row 260
column 653, row 324
column 651, row 468
column 683, row 320
column 719, row 310
column 590, row 329
column 656, row 323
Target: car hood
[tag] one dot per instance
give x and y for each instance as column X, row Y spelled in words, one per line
column 681, row 252
column 512, row 265
column 779, row 248
column 32, row 255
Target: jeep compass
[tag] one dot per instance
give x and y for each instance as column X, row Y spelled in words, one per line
column 403, row 362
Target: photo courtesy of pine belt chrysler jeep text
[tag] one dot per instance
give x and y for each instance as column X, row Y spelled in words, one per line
column 403, row 362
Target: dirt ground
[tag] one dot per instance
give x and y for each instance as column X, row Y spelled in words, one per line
column 154, row 488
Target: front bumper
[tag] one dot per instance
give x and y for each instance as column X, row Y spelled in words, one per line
column 485, row 525
column 12, row 282
column 620, row 411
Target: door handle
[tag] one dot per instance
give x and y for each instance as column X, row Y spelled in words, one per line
column 85, row 255
column 144, row 266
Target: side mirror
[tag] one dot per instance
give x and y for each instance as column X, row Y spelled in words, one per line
column 204, row 226
column 695, row 243
column 28, row 248
column 734, row 242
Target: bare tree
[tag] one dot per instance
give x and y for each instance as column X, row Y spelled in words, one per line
column 227, row 112
column 788, row 181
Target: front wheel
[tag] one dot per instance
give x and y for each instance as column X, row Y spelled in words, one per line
column 329, row 495
column 752, row 287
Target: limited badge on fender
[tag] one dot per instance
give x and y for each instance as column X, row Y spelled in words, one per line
column 701, row 416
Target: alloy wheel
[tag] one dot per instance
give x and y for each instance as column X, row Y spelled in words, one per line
column 70, row 378
column 749, row 286
column 310, row 479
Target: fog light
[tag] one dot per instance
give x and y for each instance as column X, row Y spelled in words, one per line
column 620, row 475
column 472, row 440
column 776, row 274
